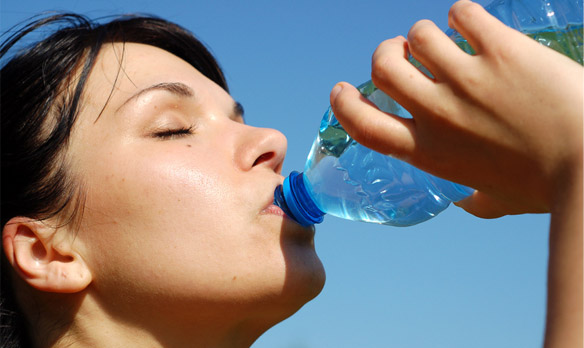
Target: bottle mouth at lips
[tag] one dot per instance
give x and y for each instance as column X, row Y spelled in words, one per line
column 293, row 198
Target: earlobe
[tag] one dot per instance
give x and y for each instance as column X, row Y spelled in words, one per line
column 44, row 261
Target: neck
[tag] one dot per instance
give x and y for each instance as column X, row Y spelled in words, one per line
column 94, row 327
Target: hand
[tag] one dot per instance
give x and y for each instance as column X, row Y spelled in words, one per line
column 506, row 121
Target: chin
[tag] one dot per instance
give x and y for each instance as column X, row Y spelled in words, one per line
column 305, row 279
column 296, row 293
column 304, row 273
column 305, row 276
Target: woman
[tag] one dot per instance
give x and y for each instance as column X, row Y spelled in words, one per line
column 136, row 204
column 143, row 216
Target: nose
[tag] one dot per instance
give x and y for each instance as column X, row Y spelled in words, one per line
column 261, row 147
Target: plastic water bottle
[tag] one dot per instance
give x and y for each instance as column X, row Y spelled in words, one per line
column 347, row 180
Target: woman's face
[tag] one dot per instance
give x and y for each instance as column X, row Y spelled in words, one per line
column 179, row 218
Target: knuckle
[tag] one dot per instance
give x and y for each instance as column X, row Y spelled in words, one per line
column 365, row 137
column 382, row 62
column 420, row 29
column 470, row 80
column 380, row 69
column 383, row 73
column 463, row 11
column 421, row 34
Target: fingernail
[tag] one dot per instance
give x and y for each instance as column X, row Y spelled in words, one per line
column 338, row 87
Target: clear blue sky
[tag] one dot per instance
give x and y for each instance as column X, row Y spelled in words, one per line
column 456, row 281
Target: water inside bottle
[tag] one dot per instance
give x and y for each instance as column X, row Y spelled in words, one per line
column 567, row 41
column 356, row 183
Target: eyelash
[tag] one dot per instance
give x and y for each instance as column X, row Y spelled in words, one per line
column 174, row 133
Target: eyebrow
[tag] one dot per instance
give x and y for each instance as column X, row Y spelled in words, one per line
column 181, row 90
column 176, row 88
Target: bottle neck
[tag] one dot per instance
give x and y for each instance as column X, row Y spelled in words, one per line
column 295, row 200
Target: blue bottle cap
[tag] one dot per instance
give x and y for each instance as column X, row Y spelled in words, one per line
column 299, row 202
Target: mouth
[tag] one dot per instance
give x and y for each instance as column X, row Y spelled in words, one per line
column 301, row 233
column 272, row 206
column 272, row 209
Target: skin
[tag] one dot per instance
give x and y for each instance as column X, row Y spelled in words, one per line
column 180, row 244
column 509, row 129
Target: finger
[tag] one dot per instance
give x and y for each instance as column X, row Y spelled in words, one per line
column 393, row 73
column 471, row 19
column 487, row 207
column 369, row 126
column 435, row 51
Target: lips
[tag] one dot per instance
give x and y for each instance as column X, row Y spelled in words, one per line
column 274, row 210
column 270, row 207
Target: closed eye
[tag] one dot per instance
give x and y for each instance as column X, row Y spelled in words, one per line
column 173, row 133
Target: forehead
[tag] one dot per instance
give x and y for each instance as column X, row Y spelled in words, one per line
column 122, row 69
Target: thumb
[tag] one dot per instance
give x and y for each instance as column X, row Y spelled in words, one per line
column 486, row 206
column 369, row 126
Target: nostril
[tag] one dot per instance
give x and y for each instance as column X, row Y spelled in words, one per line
column 263, row 158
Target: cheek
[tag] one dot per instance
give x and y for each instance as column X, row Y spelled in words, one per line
column 139, row 210
column 149, row 176
column 156, row 194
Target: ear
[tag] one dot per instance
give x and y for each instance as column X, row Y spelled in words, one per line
column 45, row 259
